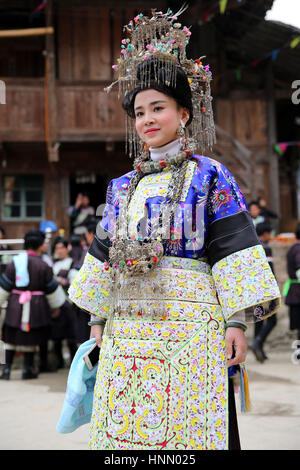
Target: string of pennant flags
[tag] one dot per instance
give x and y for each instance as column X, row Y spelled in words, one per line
column 223, row 5
column 292, row 44
column 208, row 15
column 272, row 54
column 281, row 147
column 39, row 8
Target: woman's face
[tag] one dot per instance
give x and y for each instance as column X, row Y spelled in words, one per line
column 61, row 251
column 157, row 117
column 254, row 210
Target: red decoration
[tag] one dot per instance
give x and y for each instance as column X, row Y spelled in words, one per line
column 206, row 16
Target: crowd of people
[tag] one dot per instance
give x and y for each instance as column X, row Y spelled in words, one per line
column 40, row 320
column 263, row 218
column 260, row 213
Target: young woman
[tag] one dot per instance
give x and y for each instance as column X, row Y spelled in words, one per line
column 171, row 290
column 64, row 327
column 32, row 293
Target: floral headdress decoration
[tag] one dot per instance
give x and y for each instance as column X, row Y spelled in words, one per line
column 164, row 39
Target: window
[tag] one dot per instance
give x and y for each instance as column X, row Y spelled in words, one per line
column 23, row 197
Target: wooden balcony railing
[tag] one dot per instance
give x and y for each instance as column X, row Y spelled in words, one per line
column 84, row 112
column 237, row 157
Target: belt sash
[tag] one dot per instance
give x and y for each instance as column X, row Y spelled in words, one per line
column 24, row 300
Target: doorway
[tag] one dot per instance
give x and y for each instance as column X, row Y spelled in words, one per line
column 95, row 185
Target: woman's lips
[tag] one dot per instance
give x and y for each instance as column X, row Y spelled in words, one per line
column 150, row 131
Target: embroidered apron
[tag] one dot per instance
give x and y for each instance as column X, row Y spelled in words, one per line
column 162, row 376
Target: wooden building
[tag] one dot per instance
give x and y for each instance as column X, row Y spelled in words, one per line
column 60, row 133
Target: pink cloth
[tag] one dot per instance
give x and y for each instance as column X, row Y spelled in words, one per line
column 24, row 299
column 25, row 295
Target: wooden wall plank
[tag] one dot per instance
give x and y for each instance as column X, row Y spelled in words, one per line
column 224, row 115
column 89, row 109
column 23, row 112
column 65, row 44
column 84, row 43
column 81, row 44
column 103, row 51
column 243, row 119
column 117, row 37
column 95, row 44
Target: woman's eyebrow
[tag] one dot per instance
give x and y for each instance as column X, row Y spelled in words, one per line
column 156, row 102
column 151, row 104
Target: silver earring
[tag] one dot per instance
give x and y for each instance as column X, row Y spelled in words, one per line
column 181, row 129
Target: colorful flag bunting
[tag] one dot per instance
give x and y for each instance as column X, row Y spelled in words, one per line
column 275, row 53
column 223, row 5
column 40, row 7
column 206, row 16
column 238, row 74
column 278, row 149
column 255, row 62
column 281, row 147
column 294, row 43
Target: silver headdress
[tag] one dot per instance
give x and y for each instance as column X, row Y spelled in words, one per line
column 164, row 39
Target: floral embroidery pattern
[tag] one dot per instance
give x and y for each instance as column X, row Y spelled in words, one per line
column 91, row 287
column 224, row 196
column 220, row 200
column 162, row 383
column 244, row 279
column 154, row 185
column 208, row 184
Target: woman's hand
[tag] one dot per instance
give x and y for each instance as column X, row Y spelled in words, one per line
column 62, row 281
column 78, row 201
column 97, row 332
column 235, row 337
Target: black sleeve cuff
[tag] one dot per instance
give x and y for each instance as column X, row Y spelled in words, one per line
column 100, row 247
column 51, row 286
column 230, row 234
column 6, row 283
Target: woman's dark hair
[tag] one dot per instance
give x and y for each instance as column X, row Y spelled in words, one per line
column 2, row 231
column 60, row 239
column 77, row 251
column 180, row 92
column 75, row 240
column 263, row 227
column 253, row 203
column 92, row 227
column 33, row 239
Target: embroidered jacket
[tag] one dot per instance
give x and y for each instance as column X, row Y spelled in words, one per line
column 212, row 224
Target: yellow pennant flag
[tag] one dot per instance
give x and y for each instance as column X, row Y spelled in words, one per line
column 294, row 43
column 223, row 4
